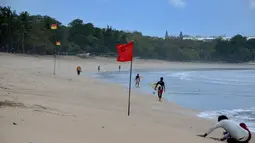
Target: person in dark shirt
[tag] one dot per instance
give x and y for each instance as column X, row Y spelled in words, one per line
column 161, row 88
column 98, row 68
column 119, row 68
column 137, row 80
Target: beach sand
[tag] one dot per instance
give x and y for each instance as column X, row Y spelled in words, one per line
column 38, row 107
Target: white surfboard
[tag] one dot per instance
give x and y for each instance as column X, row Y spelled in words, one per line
column 154, row 85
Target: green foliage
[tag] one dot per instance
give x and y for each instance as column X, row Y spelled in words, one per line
column 32, row 34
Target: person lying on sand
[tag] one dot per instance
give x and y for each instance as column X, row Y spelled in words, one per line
column 235, row 133
column 161, row 88
column 78, row 69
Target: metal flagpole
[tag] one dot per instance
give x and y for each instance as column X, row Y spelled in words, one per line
column 122, row 48
column 55, row 60
column 129, row 92
column 54, row 27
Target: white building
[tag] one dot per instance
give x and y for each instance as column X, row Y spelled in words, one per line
column 208, row 38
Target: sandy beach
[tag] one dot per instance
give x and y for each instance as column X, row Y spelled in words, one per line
column 39, row 107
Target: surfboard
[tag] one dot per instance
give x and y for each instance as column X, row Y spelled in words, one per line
column 154, row 85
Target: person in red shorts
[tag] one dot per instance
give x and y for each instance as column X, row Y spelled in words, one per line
column 137, row 80
column 161, row 88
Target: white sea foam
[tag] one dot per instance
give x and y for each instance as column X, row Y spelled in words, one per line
column 181, row 75
column 95, row 76
column 229, row 81
column 158, row 72
column 221, row 78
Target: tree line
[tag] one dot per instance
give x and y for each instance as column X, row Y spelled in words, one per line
column 32, row 34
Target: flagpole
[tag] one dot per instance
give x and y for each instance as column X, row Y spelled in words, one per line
column 55, row 60
column 125, row 52
column 54, row 27
column 129, row 92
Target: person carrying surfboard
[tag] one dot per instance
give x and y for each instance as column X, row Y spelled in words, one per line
column 235, row 133
column 161, row 88
column 137, row 80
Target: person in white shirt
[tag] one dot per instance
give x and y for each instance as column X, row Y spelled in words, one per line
column 236, row 133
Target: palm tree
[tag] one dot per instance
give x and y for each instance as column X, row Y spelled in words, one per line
column 25, row 26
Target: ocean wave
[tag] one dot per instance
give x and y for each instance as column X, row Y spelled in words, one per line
column 181, row 75
column 225, row 82
column 239, row 115
column 158, row 72
column 95, row 76
column 206, row 77
column 215, row 80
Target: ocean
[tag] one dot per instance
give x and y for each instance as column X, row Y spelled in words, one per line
column 211, row 91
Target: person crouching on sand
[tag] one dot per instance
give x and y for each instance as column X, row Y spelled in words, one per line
column 161, row 88
column 137, row 80
column 235, row 133
column 78, row 69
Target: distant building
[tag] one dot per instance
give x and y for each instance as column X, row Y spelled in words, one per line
column 200, row 38
column 180, row 35
column 166, row 35
column 250, row 37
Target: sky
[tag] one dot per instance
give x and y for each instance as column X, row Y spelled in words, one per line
column 151, row 17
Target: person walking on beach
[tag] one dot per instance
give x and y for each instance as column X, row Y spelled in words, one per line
column 137, row 80
column 98, row 68
column 235, row 133
column 119, row 68
column 161, row 88
column 78, row 69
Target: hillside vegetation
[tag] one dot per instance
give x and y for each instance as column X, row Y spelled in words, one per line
column 31, row 34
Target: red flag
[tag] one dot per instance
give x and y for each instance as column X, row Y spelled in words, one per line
column 125, row 52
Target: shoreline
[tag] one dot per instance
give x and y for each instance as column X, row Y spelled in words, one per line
column 195, row 112
column 156, row 64
column 181, row 69
column 36, row 106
